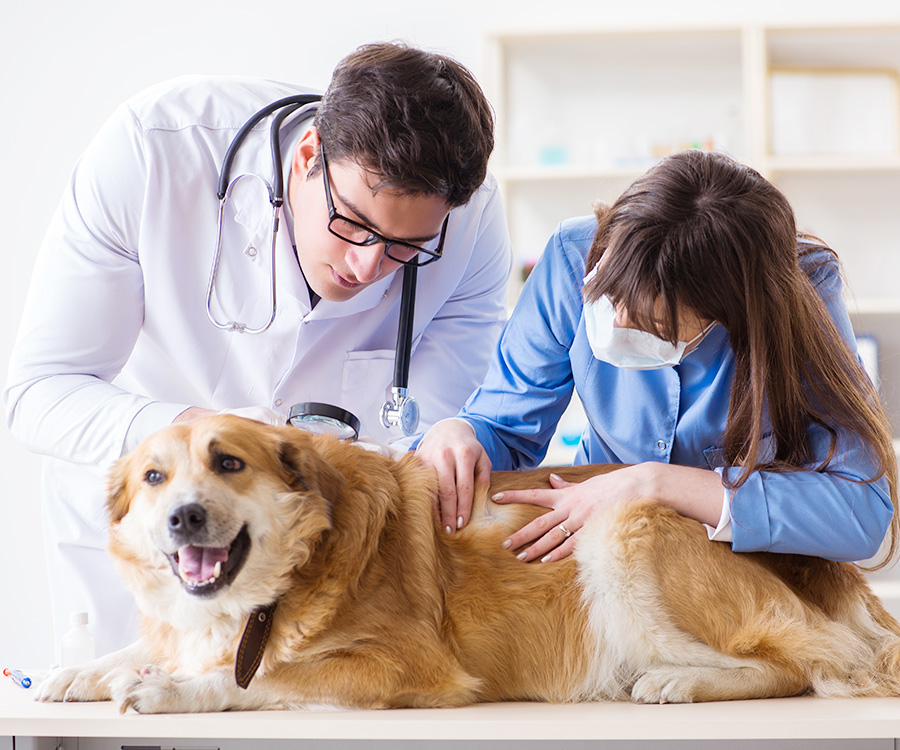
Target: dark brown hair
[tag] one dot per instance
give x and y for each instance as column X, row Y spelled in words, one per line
column 702, row 233
column 417, row 120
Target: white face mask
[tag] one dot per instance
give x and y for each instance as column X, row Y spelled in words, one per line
column 629, row 348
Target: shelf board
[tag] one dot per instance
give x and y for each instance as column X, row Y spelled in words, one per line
column 565, row 33
column 820, row 164
column 773, row 165
column 563, row 173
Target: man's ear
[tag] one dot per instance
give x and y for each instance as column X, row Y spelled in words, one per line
column 305, row 153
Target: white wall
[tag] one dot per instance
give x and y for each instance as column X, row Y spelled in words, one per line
column 64, row 67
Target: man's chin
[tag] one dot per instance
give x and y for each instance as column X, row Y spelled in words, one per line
column 335, row 288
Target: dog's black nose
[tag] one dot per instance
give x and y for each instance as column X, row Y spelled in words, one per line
column 187, row 520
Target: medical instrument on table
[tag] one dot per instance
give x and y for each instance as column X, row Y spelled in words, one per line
column 401, row 410
column 18, row 677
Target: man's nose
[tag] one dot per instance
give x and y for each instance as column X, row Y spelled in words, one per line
column 365, row 261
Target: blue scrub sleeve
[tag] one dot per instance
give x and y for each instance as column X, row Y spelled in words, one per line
column 530, row 380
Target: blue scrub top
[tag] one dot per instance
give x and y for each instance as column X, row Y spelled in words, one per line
column 673, row 415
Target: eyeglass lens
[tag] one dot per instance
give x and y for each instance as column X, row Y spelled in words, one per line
column 359, row 234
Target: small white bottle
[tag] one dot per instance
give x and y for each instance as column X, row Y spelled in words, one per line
column 77, row 643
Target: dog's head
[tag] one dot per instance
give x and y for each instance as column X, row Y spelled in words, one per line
column 214, row 515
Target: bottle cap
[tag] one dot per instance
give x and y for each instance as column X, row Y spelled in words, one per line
column 78, row 618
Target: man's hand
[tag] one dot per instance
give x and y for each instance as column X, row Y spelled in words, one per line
column 451, row 448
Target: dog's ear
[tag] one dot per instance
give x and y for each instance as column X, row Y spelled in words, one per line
column 118, row 490
column 305, row 470
column 289, row 456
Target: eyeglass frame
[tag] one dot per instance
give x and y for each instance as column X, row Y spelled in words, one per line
column 374, row 237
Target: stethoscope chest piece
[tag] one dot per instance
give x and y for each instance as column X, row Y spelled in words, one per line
column 402, row 410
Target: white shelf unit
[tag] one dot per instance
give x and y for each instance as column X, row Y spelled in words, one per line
column 581, row 114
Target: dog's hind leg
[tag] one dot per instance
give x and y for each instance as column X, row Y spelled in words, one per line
column 682, row 684
column 664, row 599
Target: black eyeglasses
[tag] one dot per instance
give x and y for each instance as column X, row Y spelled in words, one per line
column 359, row 234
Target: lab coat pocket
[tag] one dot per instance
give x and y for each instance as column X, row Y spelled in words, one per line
column 365, row 385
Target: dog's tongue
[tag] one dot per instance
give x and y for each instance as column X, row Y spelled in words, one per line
column 199, row 563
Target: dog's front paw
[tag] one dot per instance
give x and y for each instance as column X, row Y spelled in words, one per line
column 74, row 684
column 149, row 690
column 665, row 685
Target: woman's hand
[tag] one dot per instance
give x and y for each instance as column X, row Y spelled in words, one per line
column 695, row 493
column 452, row 450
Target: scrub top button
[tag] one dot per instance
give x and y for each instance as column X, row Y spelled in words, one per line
column 279, row 401
column 251, row 251
column 661, row 444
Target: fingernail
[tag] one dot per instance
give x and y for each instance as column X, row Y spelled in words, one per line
column 448, row 530
column 521, row 556
column 459, row 522
column 498, row 496
column 557, row 477
column 507, row 544
column 546, row 558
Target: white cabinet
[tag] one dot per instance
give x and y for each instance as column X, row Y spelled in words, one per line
column 582, row 114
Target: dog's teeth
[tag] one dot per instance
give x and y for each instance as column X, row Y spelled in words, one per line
column 217, row 571
column 184, row 576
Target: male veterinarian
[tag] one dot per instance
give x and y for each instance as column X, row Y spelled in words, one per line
column 117, row 338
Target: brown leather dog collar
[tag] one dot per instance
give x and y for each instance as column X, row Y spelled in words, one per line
column 253, row 644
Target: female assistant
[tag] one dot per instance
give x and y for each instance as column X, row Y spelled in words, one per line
column 713, row 354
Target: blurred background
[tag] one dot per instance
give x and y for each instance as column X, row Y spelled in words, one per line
column 575, row 85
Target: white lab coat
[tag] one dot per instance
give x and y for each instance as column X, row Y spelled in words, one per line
column 115, row 341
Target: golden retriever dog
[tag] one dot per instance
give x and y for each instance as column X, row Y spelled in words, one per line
column 360, row 600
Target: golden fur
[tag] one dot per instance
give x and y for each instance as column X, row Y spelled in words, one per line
column 377, row 608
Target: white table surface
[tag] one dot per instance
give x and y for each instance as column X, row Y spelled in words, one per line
column 788, row 718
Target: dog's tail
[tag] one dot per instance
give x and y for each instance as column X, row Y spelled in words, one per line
column 885, row 632
column 865, row 658
column 869, row 662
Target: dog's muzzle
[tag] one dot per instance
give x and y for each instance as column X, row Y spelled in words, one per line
column 202, row 566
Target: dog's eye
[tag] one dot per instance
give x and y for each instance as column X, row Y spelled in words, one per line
column 154, row 477
column 230, row 463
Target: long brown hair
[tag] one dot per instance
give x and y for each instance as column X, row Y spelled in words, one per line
column 703, row 233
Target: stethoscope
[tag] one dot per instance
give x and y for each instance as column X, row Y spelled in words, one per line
column 401, row 410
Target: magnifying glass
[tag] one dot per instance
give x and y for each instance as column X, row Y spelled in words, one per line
column 324, row 419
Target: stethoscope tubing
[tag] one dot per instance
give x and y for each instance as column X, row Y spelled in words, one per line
column 405, row 328
column 298, row 100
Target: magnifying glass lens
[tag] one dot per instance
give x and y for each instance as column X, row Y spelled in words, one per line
column 324, row 426
column 325, row 419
